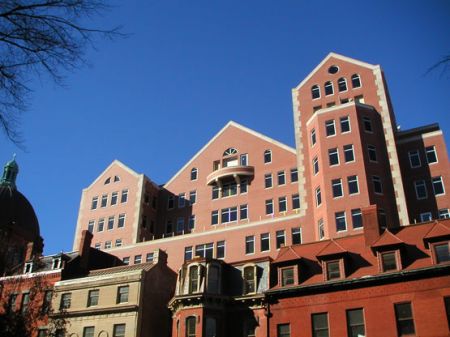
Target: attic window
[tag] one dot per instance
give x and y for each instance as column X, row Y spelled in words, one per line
column 441, row 252
column 333, row 69
column 333, row 270
column 28, row 268
column 56, row 263
column 229, row 151
column 116, row 179
column 108, row 180
column 287, row 276
column 388, row 261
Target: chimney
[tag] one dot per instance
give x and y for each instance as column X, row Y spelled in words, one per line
column 84, row 247
column 370, row 224
column 159, row 256
column 29, row 252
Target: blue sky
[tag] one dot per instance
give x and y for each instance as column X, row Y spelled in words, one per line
column 188, row 67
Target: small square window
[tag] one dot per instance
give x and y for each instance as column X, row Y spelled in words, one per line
column 315, row 164
column 444, row 213
column 330, row 128
column 119, row 330
column 107, row 244
column 149, row 257
column 426, row 216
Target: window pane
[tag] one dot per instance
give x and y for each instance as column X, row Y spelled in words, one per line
column 389, row 261
column 405, row 322
column 442, row 252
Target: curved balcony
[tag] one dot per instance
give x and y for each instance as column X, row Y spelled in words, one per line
column 228, row 172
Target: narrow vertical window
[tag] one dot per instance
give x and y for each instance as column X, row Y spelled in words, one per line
column 294, row 175
column 114, row 197
column 249, row 279
column 269, row 206
column 329, row 88
column 342, row 84
column 353, row 186
column 372, row 153
column 282, row 204
column 281, row 178
column 321, row 229
column 355, row 323
column 220, row 249
column 94, row 203
column 345, row 124
column 341, row 221
column 315, row 91
column 124, row 197
column 421, row 189
column 280, row 239
column 336, row 185
column 377, row 185
column 330, row 128
column 267, row 156
column 320, row 325
column 296, row 235
column 313, row 137
column 431, row 154
column 91, row 225
column 438, row 186
column 315, row 164
column 194, row 173
column 367, row 123
column 268, row 180
column 265, row 242
column 284, row 330
column 404, row 319
column 295, row 201
column 193, row 279
column 357, row 218
column 121, row 221
column 104, row 201
column 349, row 155
column 356, row 81
column 333, row 156
column 243, row 212
column 190, row 326
column 110, row 223
column 191, row 223
column 192, row 197
column 249, row 244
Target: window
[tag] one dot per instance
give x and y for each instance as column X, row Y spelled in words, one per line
column 341, row 221
column 268, row 180
column 438, row 186
column 295, row 201
column 296, row 235
column 269, row 206
column 281, row 178
column 214, row 217
column 119, row 330
column 367, row 123
column 267, row 156
column 249, row 279
column 388, row 261
column 66, row 299
column 118, row 243
column 355, row 323
column 404, row 319
column 243, row 159
column 353, row 187
column 349, row 155
column 124, row 197
column 430, row 152
column 280, row 239
column 336, row 185
column 205, row 250
column 194, row 173
column 229, row 189
column 91, row 224
column 249, row 244
column 243, row 185
column 25, row 302
column 425, row 216
column 333, row 269
column 421, row 189
column 377, row 185
column 342, row 84
column 282, row 204
column 356, row 81
column 442, row 252
column 229, row 214
column 294, row 175
column 284, row 330
column 315, row 163
column 287, row 276
column 333, row 156
column 330, row 128
column 315, row 91
column 321, row 229
column 313, row 137
column 149, row 257
column 191, row 223
column 220, row 249
column 93, row 297
column 444, row 213
column 318, row 197
column 110, row 222
column 88, row 331
column 357, row 218
column 181, row 200
column 188, row 253
column 121, row 221
column 414, row 158
column 170, row 202
column 329, row 88
column 47, row 302
column 42, row 333
column 229, row 151
column 94, row 203
column 320, row 325
column 180, row 224
column 243, row 212
column 265, row 242
column 372, row 152
column 126, row 260
column 330, row 104
column 169, row 226
column 137, row 259
column 122, row 294
column 193, row 278
column 114, row 197
column 104, row 201
column 116, row 179
column 190, row 326
column 215, row 192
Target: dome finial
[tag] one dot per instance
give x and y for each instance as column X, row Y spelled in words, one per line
column 10, row 173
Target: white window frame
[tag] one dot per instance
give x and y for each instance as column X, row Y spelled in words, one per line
column 328, row 84
column 431, row 149
column 414, row 153
column 441, row 181
column 349, row 148
column 352, row 181
column 420, row 184
column 444, row 213
column 316, row 167
column 265, row 238
column 282, row 201
column 268, row 178
column 342, row 80
column 329, row 123
column 345, row 119
column 332, row 152
column 318, row 195
column 269, row 153
column 313, row 137
column 313, row 88
column 280, row 234
column 425, row 216
column 337, row 183
column 250, row 240
column 340, row 215
column 281, row 175
column 354, row 77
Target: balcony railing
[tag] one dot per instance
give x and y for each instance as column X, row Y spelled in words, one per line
column 228, row 172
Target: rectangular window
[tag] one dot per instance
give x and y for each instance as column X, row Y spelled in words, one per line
column 93, row 297
column 353, row 186
column 318, row 197
column 170, row 202
column 295, row 201
column 137, row 259
column 249, row 244
column 377, row 185
column 149, row 257
column 269, row 206
column 268, row 180
column 320, row 325
column 220, row 250
column 282, row 204
column 192, row 197
column 336, row 185
column 108, row 244
column 121, row 221
column 444, row 213
column 243, row 212
column 25, row 302
column 118, row 243
column 66, row 300
column 333, row 156
column 126, row 260
column 280, row 239
column 357, row 218
column 372, row 152
column 431, row 154
column 214, row 217
column 341, row 221
column 315, row 164
column 205, row 250
column 442, row 252
column 284, row 330
column 333, row 270
column 229, row 189
column 287, row 276
column 88, row 331
column 265, row 242
column 122, row 294
column 124, row 197
column 215, row 192
column 267, row 156
column 404, row 319
column 114, row 197
column 321, row 229
column 119, row 330
column 180, row 224
column 181, row 200
column 345, row 124
column 229, row 214
column 281, row 178
column 191, row 223
column 110, row 222
column 243, row 159
column 438, row 186
column 104, row 201
column 313, row 137
column 425, row 216
column 367, row 123
column 187, row 253
column 330, row 128
column 421, row 189
column 91, row 225
column 296, row 235
column 243, row 185
column 388, row 261
column 294, row 175
column 414, row 159
column 355, row 323
column 94, row 203
column 349, row 154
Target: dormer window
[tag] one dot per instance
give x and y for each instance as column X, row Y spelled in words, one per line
column 287, row 276
column 441, row 252
column 333, row 270
column 249, row 276
column 28, row 268
column 56, row 264
column 388, row 261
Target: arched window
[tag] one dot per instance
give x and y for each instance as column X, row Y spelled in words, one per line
column 249, row 276
column 267, row 156
column 193, row 279
column 190, row 326
column 229, row 151
column 213, row 279
column 194, row 173
column 315, row 91
column 116, row 179
column 107, row 181
column 356, row 81
column 329, row 88
column 342, row 84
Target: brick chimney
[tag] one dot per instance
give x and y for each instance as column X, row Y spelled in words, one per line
column 84, row 247
column 370, row 224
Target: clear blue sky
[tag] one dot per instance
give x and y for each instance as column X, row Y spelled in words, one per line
column 154, row 99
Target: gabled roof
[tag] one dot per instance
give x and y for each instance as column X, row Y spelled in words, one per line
column 287, row 254
column 231, row 124
column 339, row 57
column 114, row 163
column 387, row 239
column 438, row 230
column 332, row 248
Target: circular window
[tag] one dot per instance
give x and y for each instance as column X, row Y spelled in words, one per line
column 333, row 69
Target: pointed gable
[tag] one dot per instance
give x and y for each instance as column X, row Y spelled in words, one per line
column 332, row 249
column 387, row 239
column 287, row 254
column 437, row 232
